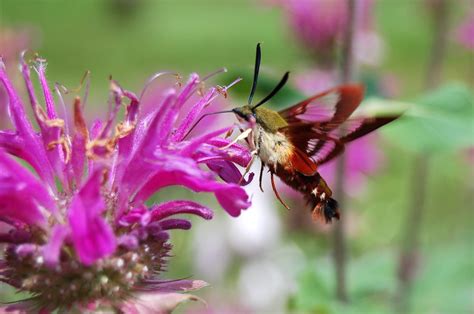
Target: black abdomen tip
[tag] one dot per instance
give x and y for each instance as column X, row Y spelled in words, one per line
column 331, row 210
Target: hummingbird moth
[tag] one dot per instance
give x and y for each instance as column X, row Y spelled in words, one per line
column 294, row 142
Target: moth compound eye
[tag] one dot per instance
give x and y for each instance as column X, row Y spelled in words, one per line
column 240, row 113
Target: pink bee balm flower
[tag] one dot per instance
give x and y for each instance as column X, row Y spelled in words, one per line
column 317, row 23
column 82, row 235
column 465, row 33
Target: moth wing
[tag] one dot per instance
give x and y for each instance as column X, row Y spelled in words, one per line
column 328, row 109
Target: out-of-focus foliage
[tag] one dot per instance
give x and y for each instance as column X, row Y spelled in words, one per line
column 441, row 120
column 443, row 286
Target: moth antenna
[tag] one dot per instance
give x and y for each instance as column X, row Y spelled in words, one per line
column 258, row 58
column 277, row 88
column 202, row 117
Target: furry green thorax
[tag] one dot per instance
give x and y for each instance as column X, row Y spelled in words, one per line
column 269, row 119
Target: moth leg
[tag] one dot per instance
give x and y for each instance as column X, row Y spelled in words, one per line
column 247, row 169
column 262, row 166
column 276, row 192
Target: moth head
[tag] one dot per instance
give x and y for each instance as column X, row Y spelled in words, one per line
column 243, row 113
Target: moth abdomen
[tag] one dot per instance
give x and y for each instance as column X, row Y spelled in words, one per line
column 316, row 192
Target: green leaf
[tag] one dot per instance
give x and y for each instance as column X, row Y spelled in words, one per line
column 439, row 121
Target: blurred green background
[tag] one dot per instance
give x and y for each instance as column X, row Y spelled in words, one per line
column 133, row 39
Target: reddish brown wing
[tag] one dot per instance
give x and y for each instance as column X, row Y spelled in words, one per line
column 319, row 125
column 329, row 108
column 316, row 145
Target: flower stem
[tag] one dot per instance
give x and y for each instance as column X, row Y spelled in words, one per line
column 408, row 260
column 340, row 246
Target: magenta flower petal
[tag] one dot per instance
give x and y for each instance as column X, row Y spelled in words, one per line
column 21, row 193
column 20, row 120
column 13, row 174
column 233, row 199
column 191, row 146
column 50, row 125
column 93, row 238
column 17, row 207
column 182, row 171
column 186, row 125
column 52, row 249
column 229, row 172
column 23, row 126
column 167, row 209
column 235, row 153
column 48, row 97
column 172, row 115
column 175, row 223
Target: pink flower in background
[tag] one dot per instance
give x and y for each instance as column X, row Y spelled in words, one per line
column 12, row 42
column 465, row 33
column 363, row 158
column 315, row 81
column 82, row 235
column 317, row 23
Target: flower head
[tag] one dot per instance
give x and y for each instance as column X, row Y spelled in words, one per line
column 82, row 234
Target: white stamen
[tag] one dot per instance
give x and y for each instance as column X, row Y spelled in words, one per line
column 242, row 136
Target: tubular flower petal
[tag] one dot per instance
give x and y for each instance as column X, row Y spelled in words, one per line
column 81, row 236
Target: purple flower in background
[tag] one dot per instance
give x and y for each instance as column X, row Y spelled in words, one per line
column 81, row 233
column 465, row 33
